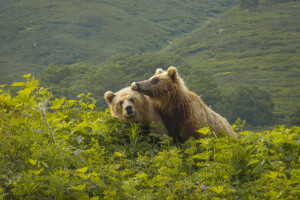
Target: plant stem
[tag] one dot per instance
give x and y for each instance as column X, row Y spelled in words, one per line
column 43, row 111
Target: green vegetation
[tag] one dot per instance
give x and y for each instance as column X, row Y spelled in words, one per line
column 258, row 47
column 251, row 104
column 118, row 72
column 295, row 117
column 67, row 149
column 244, row 4
column 253, row 43
column 243, row 63
column 35, row 34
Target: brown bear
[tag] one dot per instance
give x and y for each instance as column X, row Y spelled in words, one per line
column 182, row 111
column 131, row 106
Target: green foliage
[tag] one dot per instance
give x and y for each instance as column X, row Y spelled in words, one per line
column 249, row 103
column 295, row 117
column 98, row 157
column 206, row 87
column 253, row 105
column 257, row 47
column 35, row 34
column 248, row 4
column 241, row 47
column 118, row 72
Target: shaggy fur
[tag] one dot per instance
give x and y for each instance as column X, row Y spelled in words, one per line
column 131, row 106
column 182, row 111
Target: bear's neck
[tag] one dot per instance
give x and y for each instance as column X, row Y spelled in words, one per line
column 177, row 104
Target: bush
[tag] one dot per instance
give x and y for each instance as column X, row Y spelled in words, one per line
column 253, row 105
column 66, row 149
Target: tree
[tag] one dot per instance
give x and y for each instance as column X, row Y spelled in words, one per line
column 295, row 117
column 208, row 90
column 253, row 105
column 244, row 4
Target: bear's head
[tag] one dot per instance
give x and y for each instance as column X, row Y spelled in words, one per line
column 125, row 104
column 162, row 84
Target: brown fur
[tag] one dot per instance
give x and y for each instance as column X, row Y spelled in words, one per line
column 182, row 111
column 142, row 109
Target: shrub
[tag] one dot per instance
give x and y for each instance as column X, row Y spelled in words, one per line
column 93, row 156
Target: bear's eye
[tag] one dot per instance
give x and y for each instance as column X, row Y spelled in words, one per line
column 131, row 100
column 121, row 103
column 154, row 80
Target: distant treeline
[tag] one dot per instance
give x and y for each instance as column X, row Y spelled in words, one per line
column 249, row 103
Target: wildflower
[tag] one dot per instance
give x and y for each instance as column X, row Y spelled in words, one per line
column 203, row 187
column 233, row 188
column 79, row 140
column 76, row 152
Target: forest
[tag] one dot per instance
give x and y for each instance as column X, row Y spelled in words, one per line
column 59, row 141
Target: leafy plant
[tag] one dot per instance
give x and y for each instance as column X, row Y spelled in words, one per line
column 95, row 156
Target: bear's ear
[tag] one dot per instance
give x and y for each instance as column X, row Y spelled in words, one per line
column 109, row 95
column 172, row 72
column 159, row 71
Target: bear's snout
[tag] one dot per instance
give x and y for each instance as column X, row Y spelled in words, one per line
column 129, row 110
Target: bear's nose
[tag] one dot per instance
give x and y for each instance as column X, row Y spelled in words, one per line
column 137, row 85
column 128, row 109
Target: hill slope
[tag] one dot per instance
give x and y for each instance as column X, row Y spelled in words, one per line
column 35, row 34
column 250, row 47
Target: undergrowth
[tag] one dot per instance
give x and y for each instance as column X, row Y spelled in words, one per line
column 67, row 149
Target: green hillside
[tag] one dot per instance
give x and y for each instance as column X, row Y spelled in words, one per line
column 241, row 47
column 258, row 47
column 34, row 34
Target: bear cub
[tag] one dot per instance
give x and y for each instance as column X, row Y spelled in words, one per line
column 131, row 106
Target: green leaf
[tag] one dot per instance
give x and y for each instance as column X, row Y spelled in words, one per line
column 204, row 130
column 249, row 147
column 141, row 175
column 82, row 170
column 83, row 176
column 119, row 154
column 218, row 189
column 95, row 198
column 56, row 104
column 33, row 162
column 79, row 187
column 91, row 106
column 252, row 162
column 272, row 194
column 37, row 172
column 45, row 164
column 27, row 75
column 70, row 103
column 201, row 156
column 221, row 145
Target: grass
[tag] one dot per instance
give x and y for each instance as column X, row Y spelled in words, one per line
column 35, row 34
column 257, row 47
